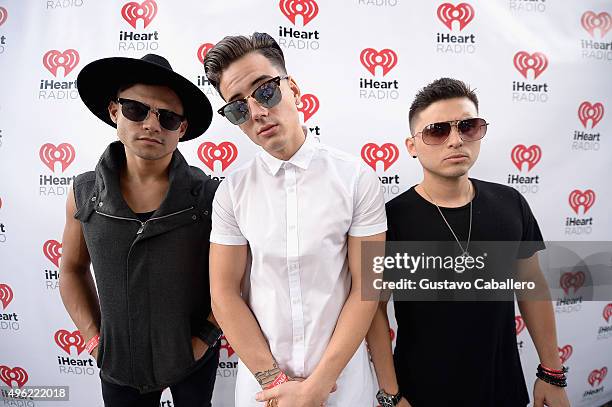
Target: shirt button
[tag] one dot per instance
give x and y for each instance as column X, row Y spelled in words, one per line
column 93, row 199
column 194, row 217
column 101, row 203
column 205, row 213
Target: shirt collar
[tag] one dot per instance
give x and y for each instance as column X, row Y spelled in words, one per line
column 300, row 159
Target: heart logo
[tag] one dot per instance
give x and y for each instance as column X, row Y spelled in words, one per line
column 225, row 153
column 522, row 154
column 387, row 153
column 386, row 59
column 66, row 339
column 54, row 59
column 308, row 9
column 132, row 12
column 463, row 13
column 524, row 61
column 50, row 154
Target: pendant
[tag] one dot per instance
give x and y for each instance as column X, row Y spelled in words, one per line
column 465, row 254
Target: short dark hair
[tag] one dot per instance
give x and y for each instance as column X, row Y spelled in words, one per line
column 440, row 89
column 232, row 48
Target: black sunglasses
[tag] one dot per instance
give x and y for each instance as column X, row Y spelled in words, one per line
column 268, row 95
column 137, row 112
column 468, row 129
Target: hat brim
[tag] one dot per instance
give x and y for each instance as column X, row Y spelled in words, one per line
column 99, row 81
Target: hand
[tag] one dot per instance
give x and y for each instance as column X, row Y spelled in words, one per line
column 199, row 347
column 545, row 394
column 291, row 394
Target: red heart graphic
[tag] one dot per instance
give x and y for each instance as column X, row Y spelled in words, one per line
column 3, row 15
column 522, row 154
column 308, row 9
column 587, row 111
column 132, row 12
column 69, row 59
column 309, row 104
column 63, row 153
column 66, row 339
column 225, row 152
column 387, row 153
column 51, row 249
column 462, row 12
column 203, row 50
column 585, row 199
column 386, row 58
column 524, row 61
column 16, row 374
column 6, row 295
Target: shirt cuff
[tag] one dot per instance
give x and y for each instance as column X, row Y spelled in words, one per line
column 228, row 240
column 367, row 230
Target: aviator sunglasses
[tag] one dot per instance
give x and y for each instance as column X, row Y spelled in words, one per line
column 468, row 129
column 268, row 95
column 137, row 112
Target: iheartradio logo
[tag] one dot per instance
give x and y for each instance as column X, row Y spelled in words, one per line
column 309, row 104
column 590, row 21
column 50, row 154
column 308, row 9
column 522, row 154
column 585, row 199
column 524, row 61
column 607, row 312
column 54, row 59
column 387, row 153
column 588, row 111
column 225, row 152
column 565, row 353
column 3, row 15
column 573, row 280
column 6, row 295
column 595, row 377
column 519, row 324
column 386, row 59
column 203, row 50
column 16, row 374
column 66, row 339
column 224, row 344
column 132, row 12
column 51, row 250
column 463, row 13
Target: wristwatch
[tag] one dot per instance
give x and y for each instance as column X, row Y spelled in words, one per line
column 388, row 400
column 209, row 333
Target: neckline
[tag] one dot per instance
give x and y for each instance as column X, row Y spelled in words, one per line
column 446, row 208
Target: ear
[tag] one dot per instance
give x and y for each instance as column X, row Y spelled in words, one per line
column 183, row 128
column 295, row 89
column 411, row 146
column 113, row 110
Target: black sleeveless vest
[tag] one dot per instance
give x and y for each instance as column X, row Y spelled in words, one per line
column 152, row 277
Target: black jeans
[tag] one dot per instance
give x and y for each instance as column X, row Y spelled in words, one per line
column 193, row 391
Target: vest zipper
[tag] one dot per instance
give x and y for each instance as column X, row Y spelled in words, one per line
column 142, row 224
column 127, row 265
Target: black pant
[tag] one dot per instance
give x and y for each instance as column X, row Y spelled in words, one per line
column 193, row 391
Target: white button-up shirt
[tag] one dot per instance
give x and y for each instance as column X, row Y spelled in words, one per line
column 296, row 216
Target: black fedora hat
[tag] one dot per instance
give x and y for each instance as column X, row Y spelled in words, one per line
column 99, row 81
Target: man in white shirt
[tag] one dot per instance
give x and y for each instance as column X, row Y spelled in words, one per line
column 285, row 245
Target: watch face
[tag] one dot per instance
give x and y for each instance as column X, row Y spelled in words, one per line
column 386, row 400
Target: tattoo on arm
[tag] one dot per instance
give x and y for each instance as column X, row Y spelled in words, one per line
column 267, row 376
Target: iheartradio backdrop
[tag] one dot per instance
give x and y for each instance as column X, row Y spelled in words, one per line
column 541, row 70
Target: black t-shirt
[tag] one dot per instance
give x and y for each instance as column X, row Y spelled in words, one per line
column 461, row 353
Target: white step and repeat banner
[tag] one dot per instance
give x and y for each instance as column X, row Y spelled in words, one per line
column 542, row 70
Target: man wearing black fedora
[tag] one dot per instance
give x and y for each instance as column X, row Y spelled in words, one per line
column 142, row 219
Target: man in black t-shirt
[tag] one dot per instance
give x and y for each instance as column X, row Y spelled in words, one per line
column 460, row 353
